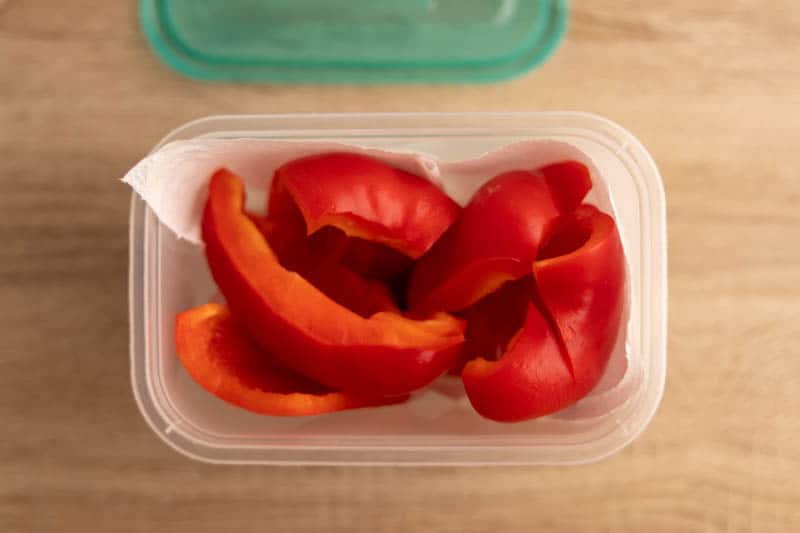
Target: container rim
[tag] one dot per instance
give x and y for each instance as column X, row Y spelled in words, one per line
column 622, row 140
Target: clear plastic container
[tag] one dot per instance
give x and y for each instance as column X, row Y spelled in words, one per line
column 437, row 427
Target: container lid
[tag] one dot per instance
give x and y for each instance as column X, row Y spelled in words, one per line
column 354, row 41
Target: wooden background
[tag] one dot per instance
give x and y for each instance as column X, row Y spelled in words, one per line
column 711, row 88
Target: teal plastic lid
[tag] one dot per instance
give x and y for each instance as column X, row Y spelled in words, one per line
column 354, row 41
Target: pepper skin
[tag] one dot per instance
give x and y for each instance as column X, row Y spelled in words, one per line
column 386, row 354
column 220, row 357
column 365, row 198
column 497, row 236
column 570, row 327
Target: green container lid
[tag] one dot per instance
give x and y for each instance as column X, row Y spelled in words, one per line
column 354, row 41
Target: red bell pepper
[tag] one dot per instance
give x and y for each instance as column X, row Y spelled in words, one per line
column 220, row 357
column 361, row 295
column 570, row 327
column 385, row 354
column 497, row 236
column 583, row 290
column 493, row 321
column 365, row 198
column 532, row 378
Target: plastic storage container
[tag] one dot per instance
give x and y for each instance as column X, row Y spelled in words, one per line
column 437, row 427
column 351, row 41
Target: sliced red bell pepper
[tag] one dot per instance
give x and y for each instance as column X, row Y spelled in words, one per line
column 497, row 236
column 531, row 378
column 365, row 198
column 583, row 290
column 222, row 359
column 493, row 321
column 371, row 260
column 361, row 295
column 384, row 355
column 570, row 328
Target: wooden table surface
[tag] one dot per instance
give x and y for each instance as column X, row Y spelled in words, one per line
column 711, row 88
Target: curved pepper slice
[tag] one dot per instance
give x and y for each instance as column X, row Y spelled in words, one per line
column 223, row 360
column 384, row 355
column 570, row 327
column 371, row 260
column 583, row 290
column 362, row 296
column 530, row 379
column 365, row 198
column 493, row 321
column 497, row 236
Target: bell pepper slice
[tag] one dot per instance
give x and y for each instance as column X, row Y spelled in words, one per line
column 583, row 290
column 365, row 198
column 361, row 295
column 371, row 260
column 497, row 236
column 570, row 327
column 386, row 354
column 530, row 379
column 221, row 358
column 493, row 321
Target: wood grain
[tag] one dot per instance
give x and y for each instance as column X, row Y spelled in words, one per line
column 712, row 88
